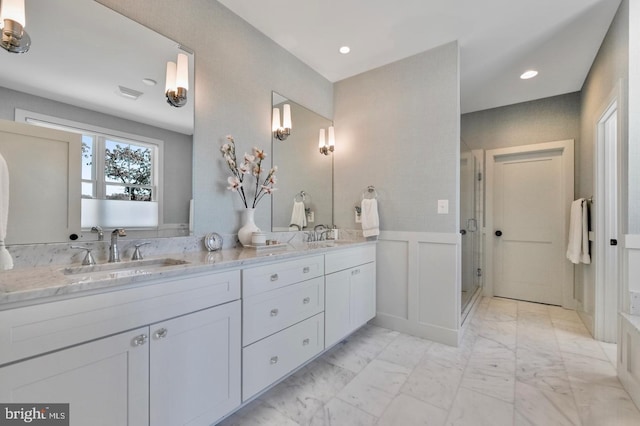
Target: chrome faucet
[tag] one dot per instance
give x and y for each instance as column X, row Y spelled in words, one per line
column 98, row 229
column 114, row 253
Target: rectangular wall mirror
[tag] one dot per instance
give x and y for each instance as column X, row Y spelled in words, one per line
column 304, row 174
column 90, row 65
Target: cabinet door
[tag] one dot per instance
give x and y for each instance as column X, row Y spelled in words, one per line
column 337, row 310
column 195, row 367
column 106, row 382
column 350, row 301
column 362, row 294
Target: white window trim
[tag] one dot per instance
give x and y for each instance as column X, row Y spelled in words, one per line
column 24, row 116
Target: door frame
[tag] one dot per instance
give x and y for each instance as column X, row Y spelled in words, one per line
column 564, row 146
column 608, row 300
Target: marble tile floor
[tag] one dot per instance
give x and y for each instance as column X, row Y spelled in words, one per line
column 519, row 364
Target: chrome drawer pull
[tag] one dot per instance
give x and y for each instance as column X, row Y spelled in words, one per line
column 274, row 312
column 355, row 272
column 305, row 342
column 161, row 334
column 306, row 300
column 140, row 340
column 274, row 360
column 274, row 277
column 305, row 270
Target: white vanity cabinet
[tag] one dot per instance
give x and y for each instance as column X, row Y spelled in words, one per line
column 179, row 364
column 106, row 382
column 194, row 367
column 350, row 291
column 283, row 320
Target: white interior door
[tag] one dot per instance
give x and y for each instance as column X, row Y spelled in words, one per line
column 606, row 208
column 529, row 192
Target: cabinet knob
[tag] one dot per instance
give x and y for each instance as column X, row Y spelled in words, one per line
column 161, row 334
column 306, row 300
column 274, row 277
column 305, row 342
column 274, row 312
column 140, row 340
column 305, row 270
column 273, row 360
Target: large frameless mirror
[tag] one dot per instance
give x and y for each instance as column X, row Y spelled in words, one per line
column 305, row 176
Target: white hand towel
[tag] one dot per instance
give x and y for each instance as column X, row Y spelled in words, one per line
column 584, row 255
column 369, row 217
column 298, row 215
column 6, row 262
column 578, row 245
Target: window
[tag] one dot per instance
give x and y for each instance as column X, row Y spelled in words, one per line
column 117, row 169
column 120, row 174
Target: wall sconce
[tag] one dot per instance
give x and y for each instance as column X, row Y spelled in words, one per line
column 283, row 131
column 177, row 81
column 12, row 21
column 327, row 146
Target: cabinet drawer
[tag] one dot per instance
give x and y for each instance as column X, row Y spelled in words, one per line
column 272, row 358
column 33, row 330
column 268, row 277
column 345, row 259
column 267, row 313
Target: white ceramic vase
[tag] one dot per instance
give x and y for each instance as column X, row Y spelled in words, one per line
column 248, row 227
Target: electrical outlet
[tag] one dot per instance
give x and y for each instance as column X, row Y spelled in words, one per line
column 311, row 217
column 357, row 218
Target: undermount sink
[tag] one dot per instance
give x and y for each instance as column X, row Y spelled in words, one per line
column 328, row 243
column 129, row 268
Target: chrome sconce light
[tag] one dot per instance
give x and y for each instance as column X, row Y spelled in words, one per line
column 283, row 131
column 327, row 146
column 12, row 21
column 177, row 81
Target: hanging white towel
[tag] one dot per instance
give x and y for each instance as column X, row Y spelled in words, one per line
column 369, row 217
column 578, row 245
column 6, row 262
column 298, row 215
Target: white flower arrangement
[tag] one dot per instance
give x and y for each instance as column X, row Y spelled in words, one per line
column 250, row 165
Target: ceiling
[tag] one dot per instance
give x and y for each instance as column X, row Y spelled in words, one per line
column 499, row 39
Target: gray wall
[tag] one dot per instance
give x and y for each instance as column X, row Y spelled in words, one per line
column 633, row 148
column 178, row 154
column 237, row 67
column 543, row 120
column 397, row 128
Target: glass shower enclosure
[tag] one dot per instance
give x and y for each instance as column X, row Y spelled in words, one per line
column 471, row 190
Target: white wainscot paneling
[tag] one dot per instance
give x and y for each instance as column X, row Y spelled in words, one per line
column 419, row 284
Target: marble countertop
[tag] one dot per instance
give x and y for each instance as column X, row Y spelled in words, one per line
column 42, row 284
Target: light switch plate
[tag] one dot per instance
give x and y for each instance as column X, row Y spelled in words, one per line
column 443, row 206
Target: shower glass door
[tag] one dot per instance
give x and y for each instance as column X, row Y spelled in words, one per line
column 470, row 209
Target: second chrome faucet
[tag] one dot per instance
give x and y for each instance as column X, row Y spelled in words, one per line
column 114, row 252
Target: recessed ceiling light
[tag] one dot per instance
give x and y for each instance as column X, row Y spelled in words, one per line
column 528, row 74
column 149, row 81
column 345, row 49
